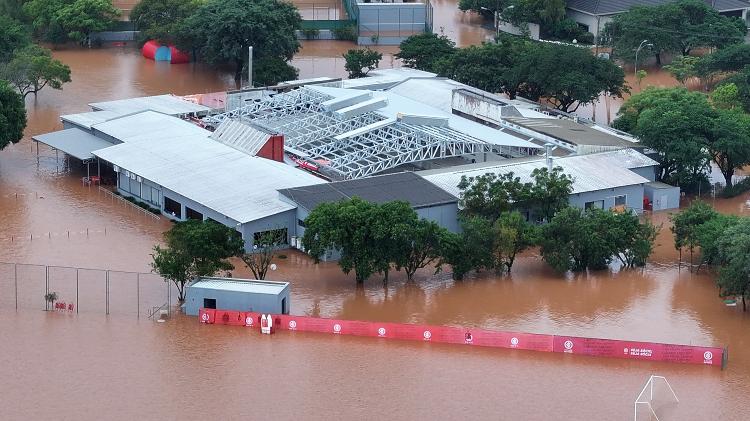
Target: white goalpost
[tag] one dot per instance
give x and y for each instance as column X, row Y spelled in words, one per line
column 647, row 396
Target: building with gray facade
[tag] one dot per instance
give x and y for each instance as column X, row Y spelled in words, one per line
column 237, row 295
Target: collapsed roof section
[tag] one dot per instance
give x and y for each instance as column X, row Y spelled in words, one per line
column 350, row 134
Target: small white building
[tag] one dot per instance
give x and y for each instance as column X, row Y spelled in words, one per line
column 237, row 295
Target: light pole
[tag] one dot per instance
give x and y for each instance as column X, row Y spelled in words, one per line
column 644, row 43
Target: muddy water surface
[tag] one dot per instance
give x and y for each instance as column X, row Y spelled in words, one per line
column 91, row 366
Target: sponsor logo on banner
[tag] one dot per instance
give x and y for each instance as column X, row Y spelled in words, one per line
column 427, row 335
column 204, row 317
column 625, row 351
column 468, row 338
column 514, row 342
column 249, row 320
column 708, row 357
column 292, row 325
column 568, row 346
column 337, row 328
column 381, row 331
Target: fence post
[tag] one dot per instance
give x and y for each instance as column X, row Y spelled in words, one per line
column 46, row 286
column 107, row 292
column 138, row 293
column 15, row 282
column 77, row 303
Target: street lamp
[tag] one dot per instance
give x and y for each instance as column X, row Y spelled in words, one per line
column 644, row 43
column 497, row 15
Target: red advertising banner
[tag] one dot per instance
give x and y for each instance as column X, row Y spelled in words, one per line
column 683, row 354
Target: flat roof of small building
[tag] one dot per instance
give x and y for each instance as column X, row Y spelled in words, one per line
column 405, row 186
column 570, row 132
column 74, row 142
column 165, row 104
column 240, row 285
column 88, row 119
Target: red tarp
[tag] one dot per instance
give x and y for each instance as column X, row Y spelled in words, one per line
column 684, row 354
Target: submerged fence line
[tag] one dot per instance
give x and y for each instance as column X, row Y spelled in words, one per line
column 632, row 350
column 77, row 289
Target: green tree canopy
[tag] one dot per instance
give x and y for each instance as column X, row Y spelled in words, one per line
column 193, row 249
column 43, row 15
column 13, row 35
column 677, row 27
column 424, row 243
column 423, row 51
column 12, row 115
column 82, row 17
column 686, row 223
column 566, row 76
column 729, row 59
column 161, row 20
column 472, row 249
column 742, row 81
column 683, row 68
column 576, row 240
column 512, row 235
column 359, row 62
column 32, row 68
column 490, row 195
column 733, row 251
column 221, row 31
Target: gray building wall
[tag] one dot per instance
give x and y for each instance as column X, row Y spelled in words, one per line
column 633, row 199
column 153, row 194
column 444, row 215
column 392, row 22
column 595, row 24
column 646, row 172
column 235, row 300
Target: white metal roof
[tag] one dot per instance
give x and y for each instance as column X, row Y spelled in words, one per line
column 166, row 104
column 74, row 142
column 381, row 78
column 239, row 186
column 150, row 125
column 591, row 172
column 86, row 120
column 398, row 104
column 241, row 136
column 241, row 285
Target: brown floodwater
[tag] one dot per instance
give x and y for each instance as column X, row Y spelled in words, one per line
column 90, row 366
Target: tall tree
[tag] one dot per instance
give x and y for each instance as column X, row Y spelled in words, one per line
column 677, row 27
column 734, row 254
column 195, row 248
column 359, row 62
column 489, row 195
column 221, row 31
column 12, row 115
column 677, row 124
column 424, row 243
column 349, row 228
column 549, row 192
column 472, row 249
column 423, row 51
column 13, row 36
column 685, row 225
column 33, row 68
column 512, row 235
column 729, row 142
column 683, row 68
column 44, row 19
column 82, row 17
column 161, row 20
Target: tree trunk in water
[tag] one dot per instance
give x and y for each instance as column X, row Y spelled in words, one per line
column 728, row 177
column 658, row 59
column 744, row 306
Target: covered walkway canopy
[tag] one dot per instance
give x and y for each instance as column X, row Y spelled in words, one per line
column 74, row 142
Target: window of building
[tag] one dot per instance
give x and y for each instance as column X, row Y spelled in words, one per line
column 124, row 182
column 193, row 214
column 596, row 204
column 301, row 223
column 172, row 207
column 621, row 200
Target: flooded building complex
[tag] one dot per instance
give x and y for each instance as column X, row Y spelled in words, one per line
column 264, row 163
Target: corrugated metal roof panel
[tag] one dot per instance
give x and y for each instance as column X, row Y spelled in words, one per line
column 165, row 104
column 241, row 187
column 241, row 285
column 148, row 125
column 241, row 136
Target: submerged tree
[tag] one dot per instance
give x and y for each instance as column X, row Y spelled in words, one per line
column 423, row 51
column 221, row 31
column 424, row 243
column 360, row 61
column 161, row 20
column 83, row 17
column 194, row 249
column 33, row 68
column 512, row 235
column 733, row 251
column 260, row 258
column 685, row 224
column 12, row 115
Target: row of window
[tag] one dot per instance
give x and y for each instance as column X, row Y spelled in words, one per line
column 621, row 200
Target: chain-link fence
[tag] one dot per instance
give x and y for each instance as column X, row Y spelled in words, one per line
column 82, row 290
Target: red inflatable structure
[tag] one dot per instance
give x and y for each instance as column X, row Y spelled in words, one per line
column 650, row 351
column 152, row 50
